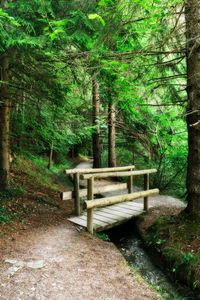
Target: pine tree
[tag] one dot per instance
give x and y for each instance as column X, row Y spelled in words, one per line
column 192, row 10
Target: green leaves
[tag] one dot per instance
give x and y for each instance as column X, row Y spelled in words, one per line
column 4, row 15
column 60, row 46
column 56, row 32
column 106, row 2
column 96, row 16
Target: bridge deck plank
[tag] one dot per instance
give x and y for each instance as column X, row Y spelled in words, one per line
column 110, row 216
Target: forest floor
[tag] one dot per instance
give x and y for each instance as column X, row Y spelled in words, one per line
column 44, row 256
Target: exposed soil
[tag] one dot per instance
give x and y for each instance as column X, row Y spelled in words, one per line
column 76, row 266
column 45, row 257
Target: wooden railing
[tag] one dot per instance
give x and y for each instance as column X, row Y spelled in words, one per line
column 90, row 204
column 77, row 192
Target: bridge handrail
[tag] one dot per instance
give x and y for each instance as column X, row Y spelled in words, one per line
column 99, row 170
column 118, row 174
column 97, row 190
column 91, row 204
column 91, row 174
column 76, row 174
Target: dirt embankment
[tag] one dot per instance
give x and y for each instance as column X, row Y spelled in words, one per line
column 176, row 238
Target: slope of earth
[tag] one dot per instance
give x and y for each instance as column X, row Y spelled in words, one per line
column 176, row 236
column 43, row 256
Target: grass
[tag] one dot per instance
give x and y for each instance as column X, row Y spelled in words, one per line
column 8, row 211
column 37, row 168
column 31, row 182
column 102, row 236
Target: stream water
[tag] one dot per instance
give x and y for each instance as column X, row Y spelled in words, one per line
column 147, row 264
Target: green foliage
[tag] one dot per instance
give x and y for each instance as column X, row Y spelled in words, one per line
column 96, row 16
column 55, row 48
column 176, row 238
column 154, row 239
column 103, row 236
column 4, row 15
column 7, row 214
column 36, row 167
column 186, row 258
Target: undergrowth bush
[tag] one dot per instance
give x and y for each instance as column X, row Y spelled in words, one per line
column 7, row 214
column 171, row 169
column 36, row 166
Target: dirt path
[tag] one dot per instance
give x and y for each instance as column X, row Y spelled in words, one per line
column 51, row 259
column 58, row 262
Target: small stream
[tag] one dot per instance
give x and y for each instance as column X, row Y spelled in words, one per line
column 147, row 264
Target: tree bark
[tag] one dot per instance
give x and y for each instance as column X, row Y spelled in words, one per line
column 111, row 135
column 192, row 11
column 4, row 125
column 95, row 122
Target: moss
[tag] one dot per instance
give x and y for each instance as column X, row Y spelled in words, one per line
column 177, row 239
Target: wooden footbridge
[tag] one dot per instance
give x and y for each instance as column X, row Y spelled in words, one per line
column 107, row 212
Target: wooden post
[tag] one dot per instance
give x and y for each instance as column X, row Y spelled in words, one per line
column 130, row 184
column 90, row 220
column 146, row 187
column 90, row 188
column 76, row 195
column 90, row 194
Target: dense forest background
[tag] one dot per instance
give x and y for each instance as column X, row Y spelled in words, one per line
column 113, row 80
column 103, row 78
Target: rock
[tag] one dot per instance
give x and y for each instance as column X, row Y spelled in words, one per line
column 17, row 265
column 38, row 264
column 11, row 261
column 14, row 269
column 15, row 262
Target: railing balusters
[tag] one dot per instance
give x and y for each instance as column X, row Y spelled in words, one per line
column 76, row 195
column 90, row 187
column 130, row 183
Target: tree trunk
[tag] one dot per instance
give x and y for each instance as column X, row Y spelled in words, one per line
column 192, row 11
column 4, row 124
column 95, row 122
column 111, row 136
